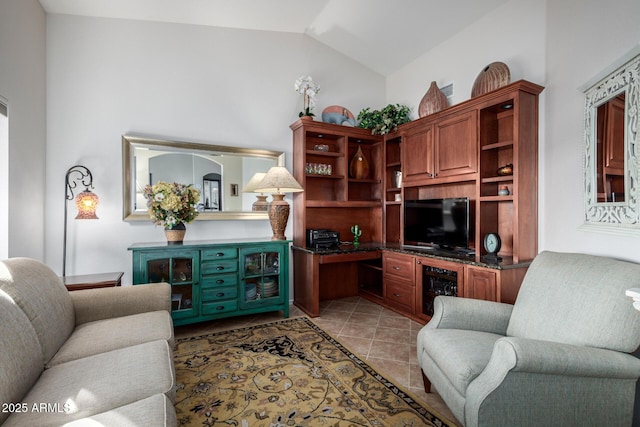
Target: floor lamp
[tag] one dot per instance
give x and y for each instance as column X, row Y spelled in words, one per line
column 278, row 181
column 86, row 201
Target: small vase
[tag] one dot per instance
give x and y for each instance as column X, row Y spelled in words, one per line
column 175, row 235
column 359, row 166
column 306, row 118
column 433, row 101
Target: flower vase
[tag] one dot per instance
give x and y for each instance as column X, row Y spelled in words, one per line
column 175, row 235
column 359, row 166
column 305, row 118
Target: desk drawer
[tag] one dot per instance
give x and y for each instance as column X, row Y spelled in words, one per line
column 220, row 253
column 400, row 267
column 220, row 294
column 400, row 295
column 223, row 266
column 219, row 307
column 219, row 280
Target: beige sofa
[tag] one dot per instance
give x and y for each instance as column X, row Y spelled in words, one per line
column 70, row 358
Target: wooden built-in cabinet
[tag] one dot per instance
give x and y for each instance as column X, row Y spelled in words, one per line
column 456, row 152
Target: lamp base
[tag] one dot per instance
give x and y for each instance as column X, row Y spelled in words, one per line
column 278, row 216
column 260, row 205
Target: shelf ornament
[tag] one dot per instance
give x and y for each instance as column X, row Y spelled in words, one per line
column 356, row 234
column 308, row 89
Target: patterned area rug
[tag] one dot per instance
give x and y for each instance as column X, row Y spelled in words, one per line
column 285, row 373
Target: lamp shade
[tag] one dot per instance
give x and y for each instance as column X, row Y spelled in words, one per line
column 279, row 180
column 253, row 183
column 86, row 202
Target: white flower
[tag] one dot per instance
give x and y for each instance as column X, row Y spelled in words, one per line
column 159, row 197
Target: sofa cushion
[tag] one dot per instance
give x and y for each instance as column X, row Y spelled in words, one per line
column 111, row 334
column 42, row 296
column 156, row 411
column 461, row 355
column 96, row 384
column 576, row 281
column 20, row 354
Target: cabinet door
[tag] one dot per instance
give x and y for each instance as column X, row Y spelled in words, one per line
column 418, row 154
column 434, row 278
column 481, row 283
column 456, row 145
column 180, row 270
column 261, row 275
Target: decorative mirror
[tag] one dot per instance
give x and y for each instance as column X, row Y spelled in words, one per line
column 218, row 172
column 612, row 151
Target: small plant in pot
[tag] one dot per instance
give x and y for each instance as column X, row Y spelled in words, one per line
column 384, row 121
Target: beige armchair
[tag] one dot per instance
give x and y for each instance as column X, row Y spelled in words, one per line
column 559, row 356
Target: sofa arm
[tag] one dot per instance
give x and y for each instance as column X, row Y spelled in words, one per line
column 470, row 314
column 104, row 303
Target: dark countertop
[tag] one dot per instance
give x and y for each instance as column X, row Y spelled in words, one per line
column 445, row 255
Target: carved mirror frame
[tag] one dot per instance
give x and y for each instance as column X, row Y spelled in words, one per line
column 129, row 143
column 614, row 217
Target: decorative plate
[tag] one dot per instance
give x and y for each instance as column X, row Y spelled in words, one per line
column 492, row 77
column 338, row 115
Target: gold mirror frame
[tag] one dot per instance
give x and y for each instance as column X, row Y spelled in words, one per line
column 130, row 142
column 614, row 217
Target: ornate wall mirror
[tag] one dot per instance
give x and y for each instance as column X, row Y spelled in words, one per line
column 612, row 150
column 218, row 172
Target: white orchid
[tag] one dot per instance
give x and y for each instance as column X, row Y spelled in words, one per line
column 308, row 89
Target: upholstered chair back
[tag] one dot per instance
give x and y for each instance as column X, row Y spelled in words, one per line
column 578, row 299
column 42, row 296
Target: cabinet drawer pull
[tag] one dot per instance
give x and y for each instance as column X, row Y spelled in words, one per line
column 396, row 268
column 220, row 307
column 397, row 295
column 220, row 294
column 219, row 268
column 220, row 254
column 219, row 281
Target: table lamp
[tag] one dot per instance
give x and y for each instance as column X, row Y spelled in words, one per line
column 261, row 204
column 278, row 181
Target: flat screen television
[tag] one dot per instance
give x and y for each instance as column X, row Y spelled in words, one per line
column 437, row 222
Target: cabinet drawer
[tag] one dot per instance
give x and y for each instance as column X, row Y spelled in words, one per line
column 400, row 267
column 219, row 280
column 220, row 253
column 219, row 307
column 212, row 295
column 223, row 266
column 400, row 295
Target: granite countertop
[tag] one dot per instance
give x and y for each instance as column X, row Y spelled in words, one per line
column 505, row 263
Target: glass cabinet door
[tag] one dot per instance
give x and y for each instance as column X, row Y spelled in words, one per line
column 180, row 271
column 260, row 271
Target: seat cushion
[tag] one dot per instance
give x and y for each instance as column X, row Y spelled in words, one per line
column 112, row 334
column 460, row 355
column 156, row 410
column 86, row 387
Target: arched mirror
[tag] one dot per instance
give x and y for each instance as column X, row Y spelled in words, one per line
column 612, row 150
column 218, row 172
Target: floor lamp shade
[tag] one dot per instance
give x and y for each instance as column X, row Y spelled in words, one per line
column 279, row 181
column 87, row 202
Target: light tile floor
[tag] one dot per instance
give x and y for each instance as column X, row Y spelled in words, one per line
column 384, row 338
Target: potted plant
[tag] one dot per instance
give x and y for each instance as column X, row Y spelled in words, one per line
column 384, row 121
column 172, row 206
column 308, row 89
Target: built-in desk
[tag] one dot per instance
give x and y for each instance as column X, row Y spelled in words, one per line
column 368, row 270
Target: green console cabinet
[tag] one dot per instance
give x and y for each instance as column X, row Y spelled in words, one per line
column 217, row 278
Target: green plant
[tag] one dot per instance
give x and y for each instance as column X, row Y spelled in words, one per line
column 384, row 121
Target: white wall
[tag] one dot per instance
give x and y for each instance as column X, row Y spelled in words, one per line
column 110, row 77
column 22, row 85
column 583, row 38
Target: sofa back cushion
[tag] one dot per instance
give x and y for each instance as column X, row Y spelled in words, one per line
column 20, row 354
column 40, row 293
column 578, row 299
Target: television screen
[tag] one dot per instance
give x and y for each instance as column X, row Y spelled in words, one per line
column 441, row 222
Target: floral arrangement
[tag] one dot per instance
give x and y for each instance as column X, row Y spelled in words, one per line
column 171, row 204
column 384, row 121
column 308, row 89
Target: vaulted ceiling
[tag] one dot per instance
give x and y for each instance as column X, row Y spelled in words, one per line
column 383, row 35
